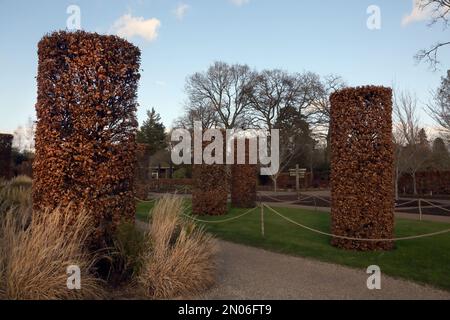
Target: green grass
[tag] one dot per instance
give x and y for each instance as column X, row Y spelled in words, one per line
column 143, row 210
column 425, row 260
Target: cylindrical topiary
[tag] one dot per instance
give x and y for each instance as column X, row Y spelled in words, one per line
column 142, row 171
column 210, row 187
column 243, row 181
column 5, row 155
column 210, row 190
column 86, row 127
column 362, row 168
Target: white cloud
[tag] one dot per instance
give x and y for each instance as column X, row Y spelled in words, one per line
column 239, row 3
column 419, row 14
column 128, row 26
column 181, row 10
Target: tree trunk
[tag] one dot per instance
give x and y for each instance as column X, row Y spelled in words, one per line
column 414, row 183
column 274, row 180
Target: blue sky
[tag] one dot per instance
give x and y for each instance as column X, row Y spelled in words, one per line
column 324, row 36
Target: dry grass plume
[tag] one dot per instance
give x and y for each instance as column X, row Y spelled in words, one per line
column 179, row 259
column 34, row 258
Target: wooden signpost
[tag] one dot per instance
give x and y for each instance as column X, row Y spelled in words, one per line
column 298, row 173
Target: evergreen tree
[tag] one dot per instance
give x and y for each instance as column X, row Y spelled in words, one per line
column 440, row 155
column 423, row 139
column 153, row 132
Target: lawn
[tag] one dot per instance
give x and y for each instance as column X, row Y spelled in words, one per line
column 143, row 210
column 425, row 260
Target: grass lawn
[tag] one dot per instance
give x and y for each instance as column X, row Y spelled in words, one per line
column 143, row 210
column 425, row 260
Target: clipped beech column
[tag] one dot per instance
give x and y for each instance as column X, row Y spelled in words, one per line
column 243, row 181
column 362, row 167
column 210, row 188
column 142, row 171
column 5, row 156
column 86, row 126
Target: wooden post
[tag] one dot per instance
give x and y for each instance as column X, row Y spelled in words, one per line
column 420, row 209
column 297, row 181
column 262, row 220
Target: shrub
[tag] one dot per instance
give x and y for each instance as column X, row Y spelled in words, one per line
column 362, row 167
column 16, row 193
column 180, row 173
column 128, row 246
column 179, row 258
column 243, row 180
column 33, row 260
column 86, row 127
column 210, row 189
column 5, row 155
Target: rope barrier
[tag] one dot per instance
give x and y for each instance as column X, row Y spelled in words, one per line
column 323, row 199
column 267, row 196
column 436, row 206
column 220, row 221
column 144, row 201
column 399, row 206
column 353, row 238
column 405, row 203
column 286, row 201
column 426, row 235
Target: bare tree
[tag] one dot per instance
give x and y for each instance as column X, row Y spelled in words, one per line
column 439, row 109
column 296, row 139
column 399, row 160
column 226, row 89
column 279, row 97
column 411, row 156
column 24, row 136
column 203, row 113
column 440, row 12
column 322, row 108
column 405, row 109
column 272, row 91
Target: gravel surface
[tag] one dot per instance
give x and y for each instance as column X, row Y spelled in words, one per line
column 252, row 273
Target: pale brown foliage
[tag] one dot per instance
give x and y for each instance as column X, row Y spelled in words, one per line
column 179, row 260
column 34, row 253
column 362, row 167
column 34, row 257
column 86, row 126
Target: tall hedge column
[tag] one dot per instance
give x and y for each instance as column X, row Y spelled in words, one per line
column 5, row 155
column 362, row 167
column 243, row 181
column 210, row 187
column 86, row 126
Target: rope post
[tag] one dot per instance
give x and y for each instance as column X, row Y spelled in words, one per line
column 420, row 209
column 262, row 220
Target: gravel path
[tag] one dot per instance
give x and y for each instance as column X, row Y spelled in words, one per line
column 251, row 273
